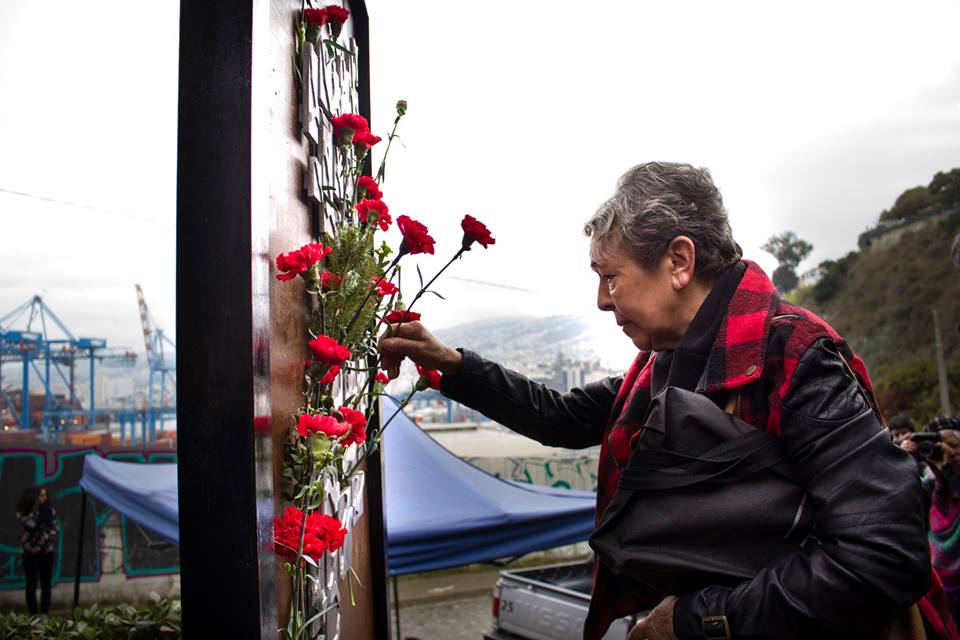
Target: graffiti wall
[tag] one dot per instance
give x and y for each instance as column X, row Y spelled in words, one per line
column 578, row 473
column 129, row 550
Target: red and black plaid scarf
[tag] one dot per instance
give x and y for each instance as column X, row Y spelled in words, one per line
column 755, row 352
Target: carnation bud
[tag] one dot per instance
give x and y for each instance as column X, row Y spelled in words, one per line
column 401, row 107
column 312, row 274
column 313, row 34
column 318, row 444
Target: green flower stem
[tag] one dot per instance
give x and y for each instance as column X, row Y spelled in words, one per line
column 422, row 291
column 356, row 180
column 298, row 604
column 383, row 161
column 368, row 450
column 322, row 299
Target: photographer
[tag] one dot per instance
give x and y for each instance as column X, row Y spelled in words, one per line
column 938, row 446
column 901, row 428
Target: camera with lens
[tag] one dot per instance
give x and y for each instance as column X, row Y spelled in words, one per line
column 927, row 445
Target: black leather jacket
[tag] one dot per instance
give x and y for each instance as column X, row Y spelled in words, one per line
column 867, row 557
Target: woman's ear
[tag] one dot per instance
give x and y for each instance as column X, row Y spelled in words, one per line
column 683, row 261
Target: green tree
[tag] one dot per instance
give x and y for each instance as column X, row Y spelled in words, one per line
column 789, row 250
column 909, row 204
column 945, row 188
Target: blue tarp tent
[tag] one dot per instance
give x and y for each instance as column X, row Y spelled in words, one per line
column 443, row 512
column 145, row 493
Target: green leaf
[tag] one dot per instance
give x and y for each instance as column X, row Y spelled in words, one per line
column 320, row 614
column 436, row 294
column 334, row 44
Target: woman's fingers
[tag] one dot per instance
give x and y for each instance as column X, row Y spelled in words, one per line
column 412, row 340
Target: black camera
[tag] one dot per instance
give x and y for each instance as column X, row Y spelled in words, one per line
column 927, row 445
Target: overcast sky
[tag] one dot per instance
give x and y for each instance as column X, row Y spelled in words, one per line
column 812, row 118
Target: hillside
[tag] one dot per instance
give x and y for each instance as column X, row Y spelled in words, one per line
column 881, row 301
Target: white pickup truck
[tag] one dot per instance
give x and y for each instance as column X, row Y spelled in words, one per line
column 547, row 603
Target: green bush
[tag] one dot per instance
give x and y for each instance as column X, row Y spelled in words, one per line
column 910, row 204
column 158, row 619
column 911, row 386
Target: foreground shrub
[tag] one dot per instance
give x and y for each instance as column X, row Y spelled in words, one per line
column 158, row 619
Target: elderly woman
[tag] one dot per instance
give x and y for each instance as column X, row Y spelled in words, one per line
column 672, row 276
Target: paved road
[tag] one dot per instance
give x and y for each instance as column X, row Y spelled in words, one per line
column 464, row 619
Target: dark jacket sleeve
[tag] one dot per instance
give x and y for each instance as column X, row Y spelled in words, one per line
column 866, row 558
column 573, row 420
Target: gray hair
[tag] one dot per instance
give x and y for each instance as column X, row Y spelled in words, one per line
column 658, row 201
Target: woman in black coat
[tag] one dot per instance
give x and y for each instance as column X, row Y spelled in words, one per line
column 39, row 521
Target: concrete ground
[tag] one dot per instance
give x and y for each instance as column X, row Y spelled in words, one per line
column 454, row 605
column 464, row 619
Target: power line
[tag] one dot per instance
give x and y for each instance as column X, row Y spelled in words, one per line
column 493, row 284
column 77, row 205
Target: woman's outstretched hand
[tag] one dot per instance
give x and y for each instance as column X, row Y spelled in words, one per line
column 412, row 340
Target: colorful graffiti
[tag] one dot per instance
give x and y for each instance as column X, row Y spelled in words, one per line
column 578, row 473
column 59, row 470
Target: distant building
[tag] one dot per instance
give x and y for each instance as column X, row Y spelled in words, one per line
column 889, row 232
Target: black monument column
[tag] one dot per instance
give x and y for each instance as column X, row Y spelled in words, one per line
column 240, row 201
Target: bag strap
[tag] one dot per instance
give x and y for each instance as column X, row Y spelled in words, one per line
column 659, row 469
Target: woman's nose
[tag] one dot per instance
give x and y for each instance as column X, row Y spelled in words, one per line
column 604, row 301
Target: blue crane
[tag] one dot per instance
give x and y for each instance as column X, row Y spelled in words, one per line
column 36, row 337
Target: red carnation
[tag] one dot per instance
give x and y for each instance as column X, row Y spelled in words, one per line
column 321, row 533
column 296, row 263
column 333, row 532
column 315, row 17
column 416, row 238
column 358, row 426
column 330, row 375
column 375, row 209
column 399, row 315
column 330, row 281
column 286, row 533
column 363, row 140
column 386, row 288
column 367, row 187
column 428, row 378
column 328, row 351
column 475, row 231
column 381, row 377
column 324, row 425
column 336, row 16
column 347, row 125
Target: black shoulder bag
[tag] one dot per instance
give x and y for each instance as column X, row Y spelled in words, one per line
column 706, row 499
